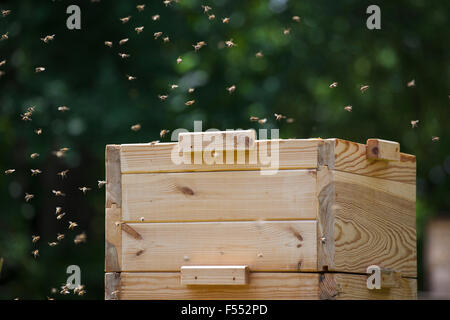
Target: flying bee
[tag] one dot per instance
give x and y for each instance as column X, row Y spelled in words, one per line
column 140, row 7
column 411, row 83
column 259, row 54
column 63, row 108
column 167, row 2
column 190, row 103
column 157, row 34
column 206, row 9
column 230, row 43
column 334, row 85
column 166, row 39
column 155, row 17
column 225, row 20
column 163, row 132
column 124, row 55
column 173, row 86
column 38, row 131
column 254, row 119
column 130, row 78
column 9, row 171
column 414, row 123
column 287, row 31
column 49, row 38
column 6, row 12
column 364, row 88
column 296, row 18
column 163, row 97
column 101, row 183
column 348, row 108
column 72, row 225
column 35, row 239
column 154, row 142
column 64, row 292
column 262, row 121
column 4, row 36
column 58, row 193
column 63, row 174
column 123, row 41
column 84, row 189
column 434, row 139
column 34, row 155
column 136, row 127
column 35, row 172
column 35, row 253
column 179, row 60
column 58, row 210
column 199, row 45
column 60, row 216
column 278, row 117
column 39, row 69
column 80, row 238
column 231, row 89
column 2, row 63
column 139, row 29
column 211, row 17
column 64, row 149
column 52, row 244
column 59, row 236
column 290, row 120
column 190, row 90
column 125, row 19
column 108, row 44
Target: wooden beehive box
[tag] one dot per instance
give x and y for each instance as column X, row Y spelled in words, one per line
column 227, row 231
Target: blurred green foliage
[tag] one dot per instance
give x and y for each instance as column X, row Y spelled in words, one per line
column 331, row 43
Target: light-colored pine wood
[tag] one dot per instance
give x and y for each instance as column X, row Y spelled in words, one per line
column 112, row 286
column 341, row 286
column 375, row 223
column 352, row 157
column 214, row 275
column 379, row 149
column 271, row 286
column 220, row 196
column 216, row 140
column 113, row 239
column 113, row 176
column 293, row 154
column 262, row 246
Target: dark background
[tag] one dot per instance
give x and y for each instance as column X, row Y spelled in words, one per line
column 331, row 43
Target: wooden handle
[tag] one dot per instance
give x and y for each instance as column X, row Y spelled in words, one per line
column 214, row 275
column 216, row 140
column 378, row 149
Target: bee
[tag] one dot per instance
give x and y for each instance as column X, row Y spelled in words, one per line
column 348, row 108
column 163, row 132
column 199, row 45
column 38, row 131
column 262, row 121
column 130, row 78
column 35, row 239
column 287, row 31
column 296, row 18
column 49, row 38
column 101, row 183
column 78, row 288
column 230, row 43
column 290, row 120
column 139, row 29
column 59, row 236
column 72, row 225
column 154, row 142
column 414, row 123
column 39, row 69
column 434, row 139
column 124, row 55
column 173, row 86
column 225, row 20
column 206, row 9
column 58, row 210
column 231, row 89
column 9, row 171
column 155, row 17
column 334, row 85
column 179, row 60
column 2, row 63
column 211, row 17
column 50, row 299
column 34, row 155
column 254, row 119
column 191, row 90
column 364, row 88
column 190, row 103
column 35, row 172
column 4, row 36
column 163, row 97
column 80, row 238
column 84, row 189
column 259, row 54
column 125, row 19
column 115, row 293
column 411, row 83
column 35, row 253
column 52, row 244
column 63, row 108
column 108, row 44
column 58, row 193
column 64, row 292
column 157, row 34
column 279, row 116
column 5, row 12
column 167, row 2
column 140, row 7
column 60, row 216
column 166, row 39
column 63, row 174
column 136, row 127
column 123, row 41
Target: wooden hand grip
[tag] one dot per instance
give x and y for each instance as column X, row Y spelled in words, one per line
column 378, row 149
column 216, row 140
column 214, row 275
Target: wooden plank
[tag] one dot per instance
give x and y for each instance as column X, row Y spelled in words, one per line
column 269, row 286
column 262, row 246
column 113, row 176
column 351, row 157
column 375, row 224
column 379, row 149
column 292, row 154
column 217, row 140
column 219, row 196
column 112, row 286
column 214, row 275
column 113, row 239
column 343, row 286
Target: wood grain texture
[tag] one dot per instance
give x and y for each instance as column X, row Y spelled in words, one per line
column 379, row 149
column 293, row 154
column 262, row 246
column 351, row 157
column 217, row 140
column 375, row 224
column 220, row 196
column 113, row 239
column 339, row 286
column 214, row 275
column 268, row 286
column 113, row 176
column 112, row 286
